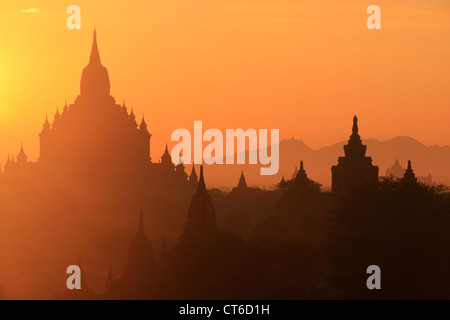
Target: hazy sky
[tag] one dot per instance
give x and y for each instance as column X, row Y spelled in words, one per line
column 305, row 67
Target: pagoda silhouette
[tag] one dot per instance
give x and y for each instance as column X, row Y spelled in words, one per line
column 95, row 144
column 201, row 225
column 139, row 271
column 143, row 276
column 396, row 171
column 355, row 168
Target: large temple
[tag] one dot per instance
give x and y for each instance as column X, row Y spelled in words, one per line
column 355, row 168
column 95, row 142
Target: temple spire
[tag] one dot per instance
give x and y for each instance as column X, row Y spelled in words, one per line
column 143, row 125
column 409, row 177
column 21, row 156
column 201, row 226
column 193, row 178
column 94, row 78
column 46, row 125
column 132, row 118
column 166, row 159
column 355, row 148
column 95, row 55
column 193, row 174
column 201, row 181
column 301, row 176
column 57, row 116
column 242, row 183
column 355, row 125
column 124, row 107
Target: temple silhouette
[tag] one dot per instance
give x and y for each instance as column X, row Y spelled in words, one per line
column 139, row 271
column 185, row 269
column 397, row 171
column 96, row 144
column 300, row 183
column 242, row 183
column 355, row 168
column 201, row 225
column 143, row 274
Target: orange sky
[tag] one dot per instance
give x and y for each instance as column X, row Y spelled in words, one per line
column 305, row 67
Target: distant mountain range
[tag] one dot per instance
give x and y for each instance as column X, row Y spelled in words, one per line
column 425, row 160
